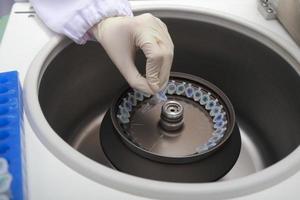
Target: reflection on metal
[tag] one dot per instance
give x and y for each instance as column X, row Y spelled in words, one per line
column 267, row 8
column 249, row 161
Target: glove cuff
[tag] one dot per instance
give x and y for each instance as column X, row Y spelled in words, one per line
column 77, row 28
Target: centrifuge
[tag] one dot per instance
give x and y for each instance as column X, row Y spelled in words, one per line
column 88, row 135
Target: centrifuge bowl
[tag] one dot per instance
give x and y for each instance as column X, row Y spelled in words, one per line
column 68, row 88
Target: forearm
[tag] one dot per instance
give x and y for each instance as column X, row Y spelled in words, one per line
column 74, row 18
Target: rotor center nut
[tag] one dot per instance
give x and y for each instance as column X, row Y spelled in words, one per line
column 171, row 118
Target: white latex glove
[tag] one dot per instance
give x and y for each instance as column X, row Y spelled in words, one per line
column 121, row 36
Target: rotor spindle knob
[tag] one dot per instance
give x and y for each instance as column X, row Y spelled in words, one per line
column 171, row 118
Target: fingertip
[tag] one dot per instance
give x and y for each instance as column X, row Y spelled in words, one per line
column 141, row 84
column 154, row 87
column 165, row 84
column 143, row 88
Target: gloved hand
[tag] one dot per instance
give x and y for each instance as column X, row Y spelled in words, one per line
column 121, row 36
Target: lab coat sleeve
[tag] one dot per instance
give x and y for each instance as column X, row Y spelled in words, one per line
column 74, row 18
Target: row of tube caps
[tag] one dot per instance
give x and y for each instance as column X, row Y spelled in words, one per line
column 205, row 99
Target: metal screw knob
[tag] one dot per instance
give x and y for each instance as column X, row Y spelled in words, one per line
column 171, row 116
column 270, row 10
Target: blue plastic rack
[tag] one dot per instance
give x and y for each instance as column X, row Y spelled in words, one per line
column 12, row 165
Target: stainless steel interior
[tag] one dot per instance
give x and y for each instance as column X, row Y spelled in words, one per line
column 79, row 84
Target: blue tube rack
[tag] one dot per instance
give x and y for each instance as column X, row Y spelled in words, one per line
column 11, row 137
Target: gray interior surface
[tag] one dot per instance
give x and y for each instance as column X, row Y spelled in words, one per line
column 80, row 83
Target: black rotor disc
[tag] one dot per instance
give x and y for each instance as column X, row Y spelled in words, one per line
column 208, row 169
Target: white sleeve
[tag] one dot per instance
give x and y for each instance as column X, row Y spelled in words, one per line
column 74, row 18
